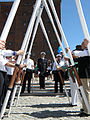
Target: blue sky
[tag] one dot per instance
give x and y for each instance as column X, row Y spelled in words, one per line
column 71, row 23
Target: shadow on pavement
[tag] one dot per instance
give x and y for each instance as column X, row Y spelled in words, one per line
column 54, row 114
column 50, row 105
column 47, row 105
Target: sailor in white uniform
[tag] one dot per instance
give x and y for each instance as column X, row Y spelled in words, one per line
column 56, row 75
column 28, row 75
column 83, row 59
column 3, row 72
column 10, row 70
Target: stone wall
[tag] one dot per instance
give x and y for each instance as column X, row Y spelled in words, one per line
column 20, row 24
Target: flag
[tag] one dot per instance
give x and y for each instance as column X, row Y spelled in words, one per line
column 59, row 50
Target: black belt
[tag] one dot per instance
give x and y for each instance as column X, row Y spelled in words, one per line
column 3, row 72
column 29, row 70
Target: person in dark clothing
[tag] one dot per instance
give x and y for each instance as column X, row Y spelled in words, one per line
column 42, row 68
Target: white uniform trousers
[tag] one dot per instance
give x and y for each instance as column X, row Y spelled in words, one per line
column 74, row 96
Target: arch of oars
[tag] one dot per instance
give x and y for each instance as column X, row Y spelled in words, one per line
column 36, row 20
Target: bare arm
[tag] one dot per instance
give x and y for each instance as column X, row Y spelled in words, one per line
column 9, row 64
column 19, row 52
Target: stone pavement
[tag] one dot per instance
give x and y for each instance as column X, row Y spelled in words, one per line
column 45, row 105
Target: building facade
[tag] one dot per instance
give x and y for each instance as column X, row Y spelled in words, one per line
column 20, row 24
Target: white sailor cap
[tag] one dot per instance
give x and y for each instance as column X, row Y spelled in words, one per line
column 67, row 57
column 61, row 51
column 58, row 55
column 28, row 53
column 43, row 53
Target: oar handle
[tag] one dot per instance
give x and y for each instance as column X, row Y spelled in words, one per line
column 77, row 76
column 23, row 77
column 19, row 74
column 13, row 77
column 71, row 74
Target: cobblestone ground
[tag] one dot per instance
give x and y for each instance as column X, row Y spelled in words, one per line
column 44, row 107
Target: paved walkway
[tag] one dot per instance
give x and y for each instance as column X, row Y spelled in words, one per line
column 44, row 106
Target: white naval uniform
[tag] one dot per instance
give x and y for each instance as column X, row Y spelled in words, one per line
column 10, row 70
column 28, row 75
column 57, row 77
column 74, row 95
column 72, row 90
column 81, row 53
column 3, row 75
column 30, row 64
column 60, row 64
column 3, row 60
column 84, row 73
column 49, row 68
column 6, row 52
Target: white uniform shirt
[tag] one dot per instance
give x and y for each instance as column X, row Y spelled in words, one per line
column 6, row 52
column 10, row 70
column 50, row 67
column 81, row 53
column 3, row 60
column 30, row 64
column 60, row 64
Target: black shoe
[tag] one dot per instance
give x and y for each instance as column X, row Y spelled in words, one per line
column 55, row 92
column 81, row 110
column 0, row 109
column 72, row 105
column 8, row 106
column 43, row 88
column 28, row 91
column 61, row 91
column 83, row 114
column 22, row 92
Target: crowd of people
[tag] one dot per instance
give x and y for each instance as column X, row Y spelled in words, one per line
column 7, row 65
column 46, row 68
